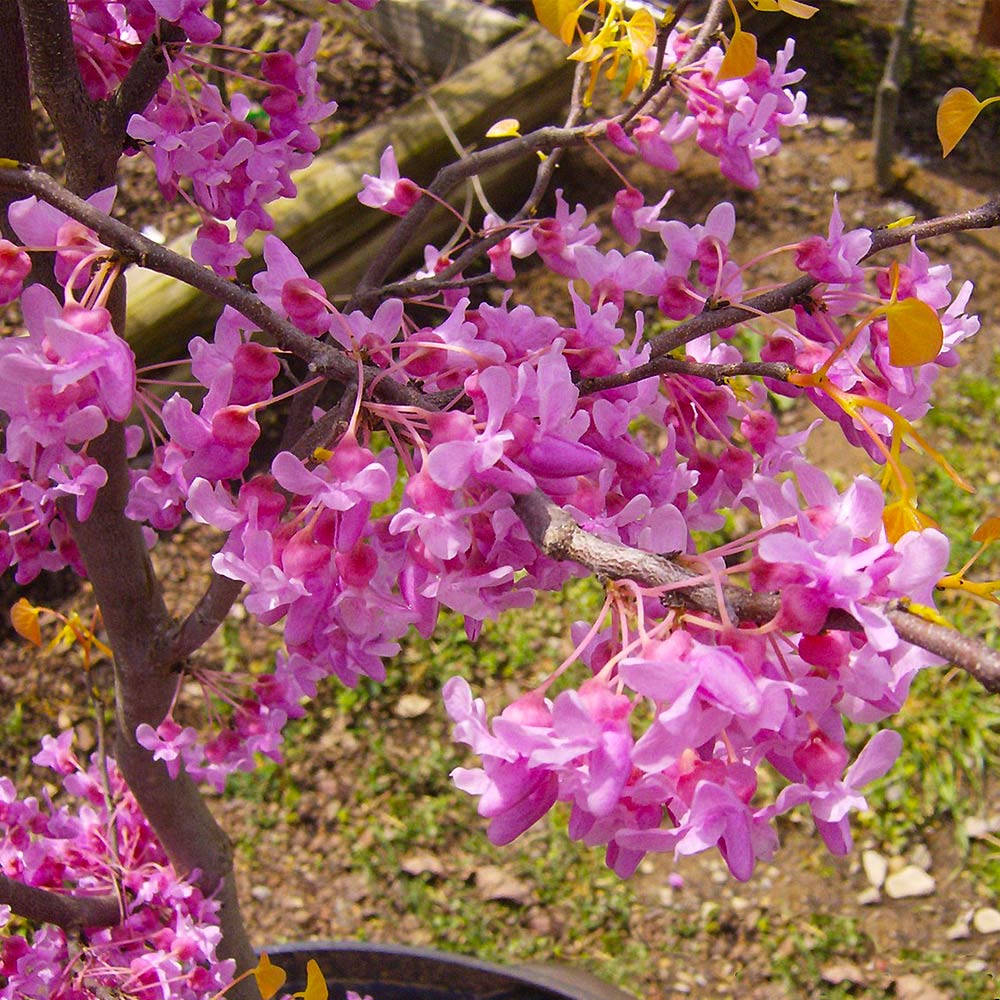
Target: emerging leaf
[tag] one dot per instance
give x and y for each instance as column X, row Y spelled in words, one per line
column 915, row 333
column 741, row 57
column 505, row 128
column 957, row 111
column 988, row 531
column 269, row 977
column 24, row 618
column 902, row 223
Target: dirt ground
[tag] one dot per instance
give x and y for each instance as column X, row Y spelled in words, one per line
column 805, row 903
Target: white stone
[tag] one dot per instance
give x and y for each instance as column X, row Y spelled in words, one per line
column 921, row 857
column 869, row 896
column 876, row 868
column 908, row 882
column 986, row 920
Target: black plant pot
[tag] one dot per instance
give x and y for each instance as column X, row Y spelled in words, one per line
column 391, row 972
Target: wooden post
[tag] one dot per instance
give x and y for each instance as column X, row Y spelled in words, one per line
column 989, row 23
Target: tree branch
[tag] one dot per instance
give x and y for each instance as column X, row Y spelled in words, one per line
column 560, row 537
column 986, row 216
column 72, row 913
column 322, row 357
column 141, row 82
column 55, row 74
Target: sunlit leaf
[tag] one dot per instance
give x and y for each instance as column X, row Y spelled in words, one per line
column 988, row 531
column 24, row 618
column 957, row 111
column 741, row 57
column 915, row 333
column 503, row 129
column 902, row 223
column 641, row 31
column 793, row 7
column 269, row 977
column 316, row 988
column 590, row 52
column 552, row 13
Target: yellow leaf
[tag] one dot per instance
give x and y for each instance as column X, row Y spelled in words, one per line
column 902, row 516
column 24, row 618
column 988, row 531
column 269, row 977
column 552, row 13
column 316, row 988
column 915, row 333
column 793, row 7
column 957, row 111
column 9, row 164
column 902, row 223
column 741, row 57
column 505, row 128
column 641, row 31
column 590, row 52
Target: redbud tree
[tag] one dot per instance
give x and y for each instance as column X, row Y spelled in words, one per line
column 442, row 449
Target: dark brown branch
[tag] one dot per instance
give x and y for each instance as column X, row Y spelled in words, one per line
column 206, row 616
column 322, row 358
column 72, row 913
column 719, row 374
column 560, row 537
column 55, row 76
column 141, row 83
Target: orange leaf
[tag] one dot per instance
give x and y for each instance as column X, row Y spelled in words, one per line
column 269, row 977
column 741, row 57
column 900, row 517
column 988, row 531
column 316, row 988
column 915, row 333
column 24, row 618
column 958, row 109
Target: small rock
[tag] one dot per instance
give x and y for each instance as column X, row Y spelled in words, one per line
column 876, row 868
column 986, row 920
column 914, row 988
column 869, row 896
column 975, row 965
column 977, row 827
column 841, row 185
column 959, row 930
column 842, row 972
column 261, row 893
column 495, row 883
column 908, row 882
column 833, row 125
column 410, row 706
column 422, row 863
column 921, row 857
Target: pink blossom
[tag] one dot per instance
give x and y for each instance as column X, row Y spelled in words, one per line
column 389, row 191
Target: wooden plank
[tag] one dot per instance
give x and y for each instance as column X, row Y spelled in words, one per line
column 526, row 77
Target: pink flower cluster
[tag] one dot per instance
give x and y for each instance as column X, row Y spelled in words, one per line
column 659, row 749
column 737, row 121
column 98, row 843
